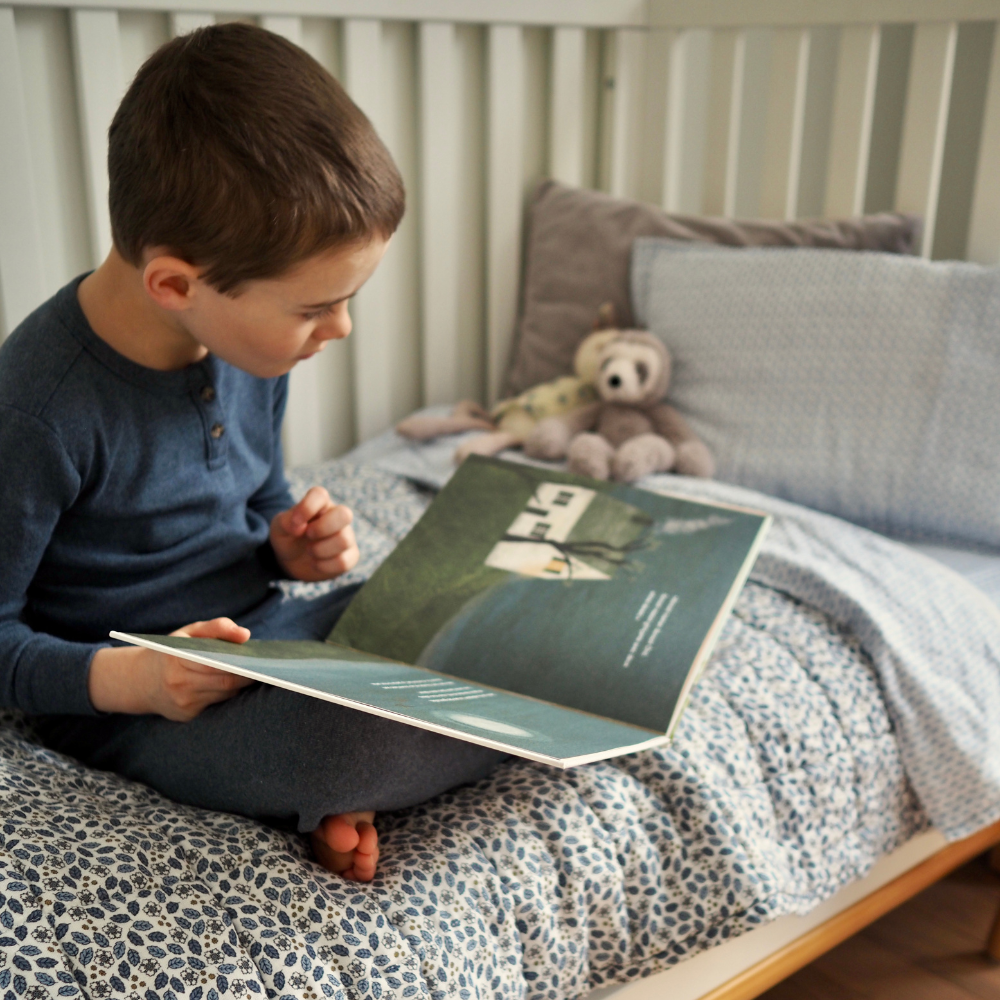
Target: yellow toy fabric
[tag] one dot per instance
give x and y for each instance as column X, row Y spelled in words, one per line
column 519, row 414
column 511, row 420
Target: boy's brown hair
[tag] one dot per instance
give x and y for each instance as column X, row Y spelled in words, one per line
column 238, row 152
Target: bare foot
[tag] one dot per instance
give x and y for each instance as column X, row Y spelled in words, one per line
column 347, row 844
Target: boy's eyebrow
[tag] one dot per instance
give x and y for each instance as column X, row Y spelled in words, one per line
column 324, row 305
column 331, row 302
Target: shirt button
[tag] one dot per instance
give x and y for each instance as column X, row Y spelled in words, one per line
column 208, row 394
column 218, row 430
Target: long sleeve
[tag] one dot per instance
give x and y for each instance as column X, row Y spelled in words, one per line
column 39, row 673
column 130, row 498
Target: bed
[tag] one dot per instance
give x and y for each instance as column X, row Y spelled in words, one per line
column 785, row 784
column 820, row 776
column 792, row 777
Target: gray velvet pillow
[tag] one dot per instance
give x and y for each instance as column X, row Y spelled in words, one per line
column 863, row 385
column 578, row 258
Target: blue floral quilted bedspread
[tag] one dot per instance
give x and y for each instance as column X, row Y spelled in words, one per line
column 788, row 779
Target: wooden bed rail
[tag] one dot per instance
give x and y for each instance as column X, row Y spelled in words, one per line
column 780, row 965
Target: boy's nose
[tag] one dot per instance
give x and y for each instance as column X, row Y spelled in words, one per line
column 335, row 328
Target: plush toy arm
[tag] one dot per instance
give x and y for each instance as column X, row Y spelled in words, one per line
column 670, row 424
column 693, row 457
column 551, row 437
column 466, row 416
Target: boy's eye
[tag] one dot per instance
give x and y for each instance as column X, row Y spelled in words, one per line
column 319, row 313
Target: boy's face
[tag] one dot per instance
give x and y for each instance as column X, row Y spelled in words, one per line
column 273, row 323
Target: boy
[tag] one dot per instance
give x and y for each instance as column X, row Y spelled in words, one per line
column 142, row 488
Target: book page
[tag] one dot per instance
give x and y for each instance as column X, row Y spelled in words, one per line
column 416, row 696
column 593, row 595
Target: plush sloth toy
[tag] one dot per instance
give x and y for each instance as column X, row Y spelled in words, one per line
column 511, row 420
column 630, row 432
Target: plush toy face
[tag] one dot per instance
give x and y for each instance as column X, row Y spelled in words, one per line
column 634, row 368
column 587, row 361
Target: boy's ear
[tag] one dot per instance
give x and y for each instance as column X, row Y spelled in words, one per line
column 170, row 282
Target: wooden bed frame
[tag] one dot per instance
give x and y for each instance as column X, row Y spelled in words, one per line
column 778, row 966
column 768, row 108
column 748, row 965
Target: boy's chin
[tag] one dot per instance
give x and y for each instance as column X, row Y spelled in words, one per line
column 276, row 370
column 263, row 369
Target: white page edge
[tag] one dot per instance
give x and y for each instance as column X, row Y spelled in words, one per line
column 560, row 762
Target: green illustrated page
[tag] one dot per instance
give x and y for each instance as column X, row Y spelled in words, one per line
column 592, row 595
column 416, row 696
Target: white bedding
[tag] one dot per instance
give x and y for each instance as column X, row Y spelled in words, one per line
column 430, row 463
column 980, row 568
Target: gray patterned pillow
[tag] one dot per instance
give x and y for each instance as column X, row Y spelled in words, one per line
column 864, row 385
column 577, row 257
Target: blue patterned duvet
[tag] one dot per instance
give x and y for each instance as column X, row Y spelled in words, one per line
column 785, row 782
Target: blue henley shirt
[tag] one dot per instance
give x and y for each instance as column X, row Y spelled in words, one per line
column 130, row 498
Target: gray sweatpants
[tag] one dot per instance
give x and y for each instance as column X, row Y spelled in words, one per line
column 280, row 757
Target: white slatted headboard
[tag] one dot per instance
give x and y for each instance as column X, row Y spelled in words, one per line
column 767, row 108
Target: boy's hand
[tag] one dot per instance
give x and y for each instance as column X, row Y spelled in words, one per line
column 140, row 681
column 314, row 539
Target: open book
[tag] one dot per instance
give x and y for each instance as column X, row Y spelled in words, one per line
column 555, row 617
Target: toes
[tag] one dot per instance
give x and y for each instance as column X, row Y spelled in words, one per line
column 367, row 838
column 364, row 866
column 338, row 862
column 360, row 874
column 340, row 834
column 347, row 845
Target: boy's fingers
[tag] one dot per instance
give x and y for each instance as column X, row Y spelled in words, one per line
column 210, row 678
column 314, row 502
column 339, row 564
column 217, row 628
column 329, row 522
column 194, row 706
column 224, row 683
column 334, row 545
column 203, row 683
column 347, row 555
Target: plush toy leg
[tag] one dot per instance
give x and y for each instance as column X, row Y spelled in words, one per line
column 694, row 459
column 640, row 456
column 549, row 441
column 486, row 444
column 590, row 455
